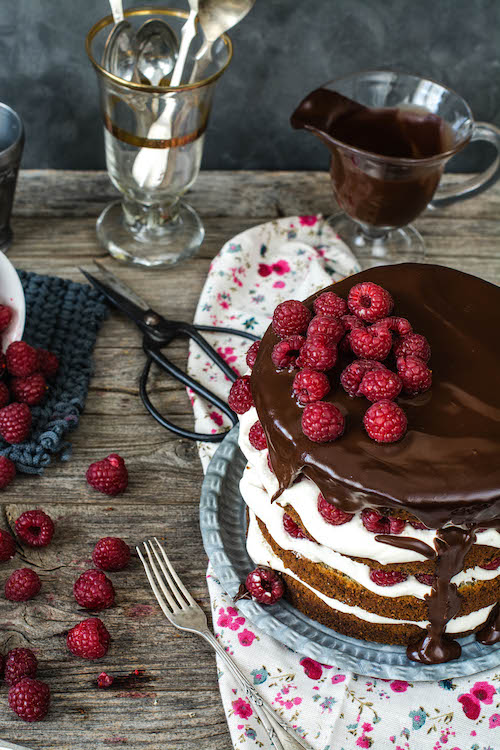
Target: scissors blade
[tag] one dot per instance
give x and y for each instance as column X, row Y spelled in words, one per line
column 118, row 293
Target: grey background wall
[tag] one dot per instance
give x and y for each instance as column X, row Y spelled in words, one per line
column 282, row 50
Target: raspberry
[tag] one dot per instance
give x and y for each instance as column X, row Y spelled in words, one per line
column 265, row 585
column 285, row 353
column 94, row 590
column 330, row 304
column 387, row 577
column 109, row 475
column 492, row 564
column 428, row 578
column 21, row 585
column 371, row 343
column 269, row 464
column 5, row 317
column 369, row 301
column 382, row 384
column 30, row 390
column 7, row 546
column 418, row 525
column 309, row 386
column 292, row 528
column 48, row 363
column 290, row 318
column 378, row 524
column 257, row 436
column 35, row 528
column 111, row 553
column 105, row 680
column 415, row 375
column 240, row 396
column 401, row 326
column 89, row 639
column 7, row 472
column 252, row 354
column 413, row 344
column 385, row 422
column 22, row 359
column 353, row 374
column 352, row 321
column 322, row 422
column 333, row 515
column 4, row 395
column 30, row 699
column 317, row 355
column 19, row 663
column 332, row 328
column 15, row 422
column 3, row 361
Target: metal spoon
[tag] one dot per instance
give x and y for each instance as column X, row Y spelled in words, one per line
column 157, row 49
column 119, row 55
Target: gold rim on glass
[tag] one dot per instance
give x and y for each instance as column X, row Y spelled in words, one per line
column 146, row 11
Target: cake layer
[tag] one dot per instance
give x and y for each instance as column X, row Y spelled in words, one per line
column 347, row 619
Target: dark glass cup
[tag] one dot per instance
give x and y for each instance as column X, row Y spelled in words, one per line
column 11, row 151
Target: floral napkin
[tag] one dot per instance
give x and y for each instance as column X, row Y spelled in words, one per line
column 333, row 710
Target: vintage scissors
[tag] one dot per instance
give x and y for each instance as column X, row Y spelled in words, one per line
column 158, row 332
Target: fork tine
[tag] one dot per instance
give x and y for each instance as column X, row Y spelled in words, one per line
column 166, row 593
column 166, row 589
column 156, row 591
column 176, row 578
column 172, row 586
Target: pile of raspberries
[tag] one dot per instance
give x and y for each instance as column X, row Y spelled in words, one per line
column 363, row 327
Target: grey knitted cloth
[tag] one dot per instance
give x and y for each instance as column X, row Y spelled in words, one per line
column 63, row 317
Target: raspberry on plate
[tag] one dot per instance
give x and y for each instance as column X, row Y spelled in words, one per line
column 332, row 328
column 7, row 546
column 378, row 524
column 317, row 355
column 21, row 585
column 322, row 422
column 353, row 374
column 19, row 663
column 5, row 317
column 382, row 384
column 15, row 422
column 30, row 699
column 369, row 301
column 252, row 354
column 385, row 422
column 109, row 476
column 293, row 528
column 7, row 472
column 35, row 527
column 265, row 585
column 257, row 436
column 4, row 395
column 374, row 342
column 387, row 577
column 330, row 304
column 290, row 318
column 22, row 359
column 111, row 553
column 240, row 396
column 414, row 373
column 285, row 352
column 89, row 639
column 332, row 515
column 413, row 344
column 94, row 590
column 30, row 390
column 48, row 363
column 310, row 385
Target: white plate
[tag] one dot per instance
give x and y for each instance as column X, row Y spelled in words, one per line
column 12, row 294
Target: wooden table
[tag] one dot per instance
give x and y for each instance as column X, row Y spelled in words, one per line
column 173, row 704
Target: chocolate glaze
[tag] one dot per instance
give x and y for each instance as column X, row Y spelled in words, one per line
column 407, row 542
column 445, row 470
column 490, row 634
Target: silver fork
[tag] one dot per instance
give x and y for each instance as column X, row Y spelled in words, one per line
column 184, row 613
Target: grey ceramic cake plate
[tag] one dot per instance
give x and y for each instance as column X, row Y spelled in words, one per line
column 222, row 521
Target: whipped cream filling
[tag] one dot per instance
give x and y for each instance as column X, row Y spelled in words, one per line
column 349, row 538
column 262, row 554
column 271, row 514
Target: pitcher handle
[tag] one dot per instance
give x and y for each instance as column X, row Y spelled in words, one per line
column 483, row 131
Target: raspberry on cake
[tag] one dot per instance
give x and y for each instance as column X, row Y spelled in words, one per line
column 317, row 354
column 252, row 354
column 265, row 585
column 257, row 436
column 322, row 422
column 310, row 385
column 290, row 318
column 413, row 344
column 331, row 328
column 353, row 374
column 285, row 352
column 414, row 373
column 330, row 304
column 379, row 385
column 385, row 422
column 374, row 342
column 240, row 396
column 369, row 301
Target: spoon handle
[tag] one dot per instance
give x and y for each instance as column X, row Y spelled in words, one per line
column 117, row 10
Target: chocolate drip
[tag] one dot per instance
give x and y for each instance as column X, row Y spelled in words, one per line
column 407, row 542
column 452, row 544
column 490, row 634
